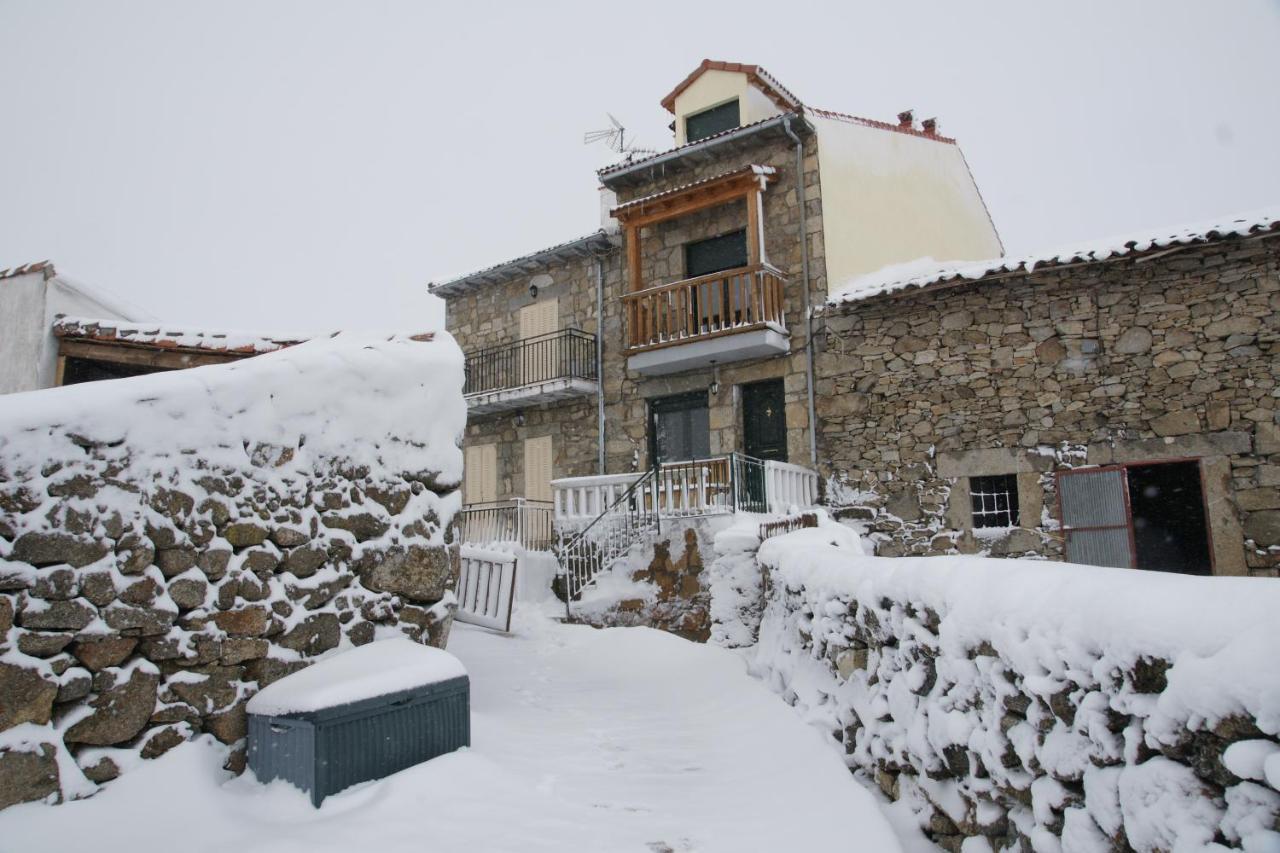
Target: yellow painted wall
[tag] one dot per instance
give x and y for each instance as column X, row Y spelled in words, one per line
column 714, row 88
column 889, row 197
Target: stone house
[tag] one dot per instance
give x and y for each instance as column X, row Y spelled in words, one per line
column 679, row 332
column 1113, row 405
column 764, row 276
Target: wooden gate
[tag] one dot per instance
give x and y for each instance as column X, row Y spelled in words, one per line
column 487, row 588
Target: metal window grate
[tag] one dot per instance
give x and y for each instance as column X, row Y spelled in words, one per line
column 994, row 500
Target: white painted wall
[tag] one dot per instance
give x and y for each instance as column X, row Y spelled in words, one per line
column 29, row 304
column 716, row 87
column 890, row 197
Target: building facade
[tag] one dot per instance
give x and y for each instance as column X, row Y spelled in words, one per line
column 680, row 331
column 1114, row 406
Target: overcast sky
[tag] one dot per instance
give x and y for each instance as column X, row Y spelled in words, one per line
column 299, row 165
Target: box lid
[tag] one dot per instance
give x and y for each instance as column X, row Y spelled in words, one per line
column 366, row 672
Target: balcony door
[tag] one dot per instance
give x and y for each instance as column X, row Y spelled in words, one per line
column 539, row 356
column 726, row 252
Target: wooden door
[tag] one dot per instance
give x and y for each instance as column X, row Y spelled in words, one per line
column 540, row 353
column 481, row 483
column 537, row 468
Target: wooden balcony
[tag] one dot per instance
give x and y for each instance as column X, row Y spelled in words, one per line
column 746, row 303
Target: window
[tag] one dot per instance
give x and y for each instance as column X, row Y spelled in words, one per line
column 994, row 500
column 726, row 252
column 679, row 428
column 715, row 120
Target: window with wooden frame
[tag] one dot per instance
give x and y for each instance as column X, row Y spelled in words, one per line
column 994, row 500
column 711, row 121
column 715, row 254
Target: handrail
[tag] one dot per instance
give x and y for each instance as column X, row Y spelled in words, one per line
column 571, row 331
column 563, row 354
column 725, row 302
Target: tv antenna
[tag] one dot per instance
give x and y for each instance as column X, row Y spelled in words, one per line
column 615, row 137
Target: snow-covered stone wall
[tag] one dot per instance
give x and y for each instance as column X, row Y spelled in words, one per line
column 1030, row 705
column 170, row 544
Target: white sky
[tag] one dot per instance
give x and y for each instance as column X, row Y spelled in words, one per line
column 300, row 165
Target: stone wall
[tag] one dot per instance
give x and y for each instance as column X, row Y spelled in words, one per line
column 663, row 583
column 170, row 544
column 626, row 393
column 1023, row 704
column 1168, row 357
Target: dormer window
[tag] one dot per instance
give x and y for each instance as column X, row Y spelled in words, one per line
column 702, row 124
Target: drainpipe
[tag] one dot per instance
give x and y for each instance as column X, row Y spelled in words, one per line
column 808, row 313
column 600, row 364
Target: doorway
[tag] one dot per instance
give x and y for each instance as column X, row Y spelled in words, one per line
column 764, row 420
column 1147, row 515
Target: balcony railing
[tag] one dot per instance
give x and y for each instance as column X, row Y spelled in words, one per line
column 720, row 484
column 516, row 521
column 564, row 355
column 708, row 306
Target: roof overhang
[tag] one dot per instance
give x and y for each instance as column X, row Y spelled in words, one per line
column 592, row 245
column 704, row 150
column 695, row 196
column 756, row 75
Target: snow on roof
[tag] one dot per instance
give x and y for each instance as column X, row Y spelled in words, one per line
column 365, row 672
column 752, row 169
column 107, row 300
column 169, row 336
column 924, row 272
column 609, row 173
column 591, row 244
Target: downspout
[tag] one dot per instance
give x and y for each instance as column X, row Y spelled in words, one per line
column 808, row 312
column 600, row 364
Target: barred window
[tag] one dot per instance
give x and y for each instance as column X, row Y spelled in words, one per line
column 995, row 500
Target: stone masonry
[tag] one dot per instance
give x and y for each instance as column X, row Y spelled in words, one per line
column 1029, row 374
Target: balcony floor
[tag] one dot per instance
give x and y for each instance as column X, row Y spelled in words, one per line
column 550, row 391
column 693, row 353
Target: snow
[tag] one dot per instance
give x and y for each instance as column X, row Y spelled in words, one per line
column 967, row 629
column 365, row 672
column 583, row 740
column 346, row 397
column 926, row 271
column 174, row 335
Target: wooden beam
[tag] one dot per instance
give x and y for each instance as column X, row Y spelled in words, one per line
column 160, row 359
column 60, row 371
column 633, row 257
column 753, row 227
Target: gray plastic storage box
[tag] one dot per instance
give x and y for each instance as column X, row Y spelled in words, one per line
column 326, row 750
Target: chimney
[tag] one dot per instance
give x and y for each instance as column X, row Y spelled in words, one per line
column 930, row 126
column 905, row 118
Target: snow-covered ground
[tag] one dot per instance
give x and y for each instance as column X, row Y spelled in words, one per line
column 582, row 740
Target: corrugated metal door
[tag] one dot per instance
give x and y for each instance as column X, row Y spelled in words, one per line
column 481, row 484
column 1095, row 517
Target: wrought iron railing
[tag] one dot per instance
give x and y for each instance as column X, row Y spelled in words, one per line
column 566, row 354
column 731, row 483
column 591, row 550
column 734, row 300
column 519, row 521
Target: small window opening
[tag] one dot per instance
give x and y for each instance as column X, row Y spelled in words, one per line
column 710, row 122
column 994, row 500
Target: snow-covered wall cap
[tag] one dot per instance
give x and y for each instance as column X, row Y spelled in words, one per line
column 366, row 672
column 389, row 402
column 169, row 336
column 926, row 272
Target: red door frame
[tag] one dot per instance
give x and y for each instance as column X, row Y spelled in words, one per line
column 1128, row 508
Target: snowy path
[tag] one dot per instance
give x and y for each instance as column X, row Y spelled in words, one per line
column 583, row 740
